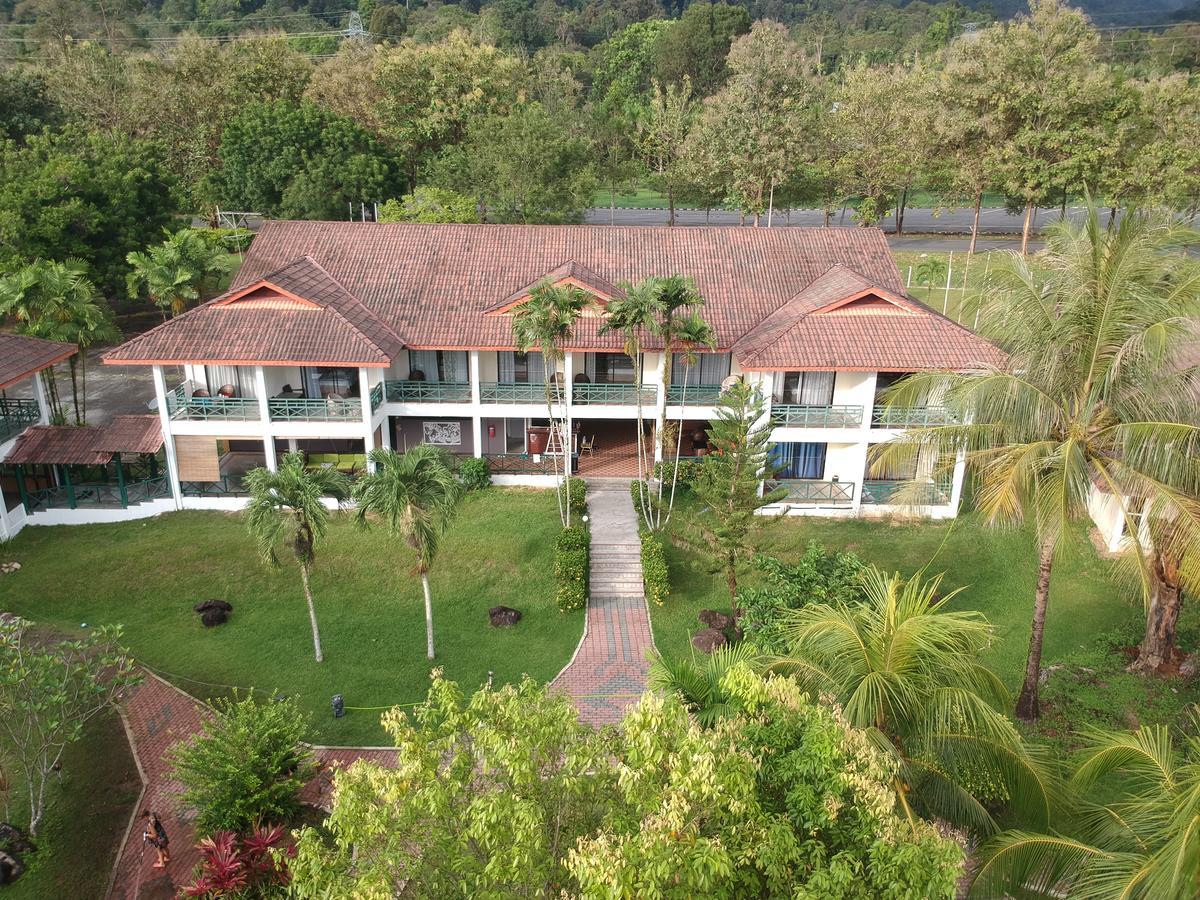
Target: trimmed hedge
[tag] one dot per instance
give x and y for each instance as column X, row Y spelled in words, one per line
column 688, row 469
column 655, row 576
column 578, row 500
column 475, row 473
column 572, row 567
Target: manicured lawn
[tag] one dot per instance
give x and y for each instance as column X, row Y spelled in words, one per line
column 998, row 568
column 147, row 575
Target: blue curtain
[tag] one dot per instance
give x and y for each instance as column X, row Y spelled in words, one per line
column 799, row 460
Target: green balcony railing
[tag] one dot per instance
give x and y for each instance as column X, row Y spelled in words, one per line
column 427, row 391
column 700, row 394
column 97, row 493
column 804, row 490
column 376, row 396
column 910, row 416
column 796, row 416
column 304, row 409
column 612, row 394
column 16, row 416
column 225, row 486
column 182, row 406
column 516, row 392
column 522, row 464
column 884, row 492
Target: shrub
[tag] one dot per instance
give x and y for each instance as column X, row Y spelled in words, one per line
column 255, row 865
column 688, row 468
column 655, row 575
column 571, row 567
column 578, row 499
column 475, row 473
column 247, row 765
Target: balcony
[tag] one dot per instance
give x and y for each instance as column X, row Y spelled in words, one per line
column 910, row 416
column 612, row 394
column 304, row 409
column 516, row 392
column 883, row 493
column 793, row 416
column 16, row 416
column 427, row 391
column 821, row 493
column 700, row 394
column 182, row 406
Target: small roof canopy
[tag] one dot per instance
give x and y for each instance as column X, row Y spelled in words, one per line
column 88, row 445
column 22, row 357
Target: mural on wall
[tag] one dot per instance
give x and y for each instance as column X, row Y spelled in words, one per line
column 443, row 434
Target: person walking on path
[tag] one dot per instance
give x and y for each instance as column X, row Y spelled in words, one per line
column 156, row 836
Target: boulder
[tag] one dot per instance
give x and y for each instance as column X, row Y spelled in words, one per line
column 714, row 618
column 503, row 616
column 214, row 616
column 9, row 567
column 11, row 868
column 708, row 639
column 14, row 840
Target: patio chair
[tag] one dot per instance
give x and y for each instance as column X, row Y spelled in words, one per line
column 587, row 446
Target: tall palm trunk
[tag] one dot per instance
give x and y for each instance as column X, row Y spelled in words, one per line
column 72, row 363
column 428, row 615
column 687, row 371
column 312, row 611
column 975, row 223
column 564, row 499
column 643, row 476
column 1166, row 599
column 1027, row 702
column 1027, row 227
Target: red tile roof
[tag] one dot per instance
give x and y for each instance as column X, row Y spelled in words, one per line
column 21, row 356
column 59, row 445
column 434, row 285
column 131, row 434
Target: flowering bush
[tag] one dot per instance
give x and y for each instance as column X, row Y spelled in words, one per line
column 249, row 866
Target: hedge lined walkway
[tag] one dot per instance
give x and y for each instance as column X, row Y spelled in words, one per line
column 608, row 671
column 156, row 715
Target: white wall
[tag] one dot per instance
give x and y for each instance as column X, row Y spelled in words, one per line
column 855, row 389
column 845, row 461
column 489, row 366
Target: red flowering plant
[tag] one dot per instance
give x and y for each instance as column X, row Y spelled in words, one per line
column 247, row 866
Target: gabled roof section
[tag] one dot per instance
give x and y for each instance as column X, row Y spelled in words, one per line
column 841, row 320
column 22, row 357
column 296, row 314
column 573, row 274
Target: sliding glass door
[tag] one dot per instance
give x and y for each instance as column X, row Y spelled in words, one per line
column 799, row 460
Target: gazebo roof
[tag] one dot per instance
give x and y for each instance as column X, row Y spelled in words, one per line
column 87, row 445
column 132, row 434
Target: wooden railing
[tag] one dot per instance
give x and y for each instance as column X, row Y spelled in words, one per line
column 796, row 416
column 427, row 391
column 16, row 416
column 806, row 490
column 700, row 394
column 517, row 392
column 885, row 492
column 182, row 405
column 612, row 394
column 311, row 409
column 910, row 416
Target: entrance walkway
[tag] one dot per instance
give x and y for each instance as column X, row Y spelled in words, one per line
column 156, row 715
column 608, row 672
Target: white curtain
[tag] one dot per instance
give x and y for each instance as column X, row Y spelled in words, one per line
column 506, row 366
column 425, row 362
column 454, row 366
column 241, row 378
column 816, row 389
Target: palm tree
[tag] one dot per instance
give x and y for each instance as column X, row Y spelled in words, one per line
column 286, row 509
column 174, row 272
column 686, row 335
column 1089, row 333
column 415, row 493
column 905, row 667
column 700, row 684
column 1145, row 846
column 546, row 321
column 58, row 302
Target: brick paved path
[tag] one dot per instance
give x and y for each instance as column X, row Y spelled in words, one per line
column 156, row 715
column 608, row 672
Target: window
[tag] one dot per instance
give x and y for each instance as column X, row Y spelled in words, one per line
column 608, row 368
column 514, row 435
column 885, row 380
column 804, row 388
column 521, row 368
column 799, row 460
column 706, row 368
column 448, row 366
column 240, row 378
column 327, row 381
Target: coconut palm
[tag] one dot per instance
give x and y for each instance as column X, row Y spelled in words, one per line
column 286, row 508
column 58, row 302
column 1145, row 846
column 686, row 335
column 546, row 322
column 700, row 684
column 173, row 273
column 415, row 493
column 905, row 667
column 1089, row 331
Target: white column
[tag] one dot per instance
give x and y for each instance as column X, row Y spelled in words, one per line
column 293, row 445
column 856, row 506
column 476, row 411
column 960, row 468
column 264, row 413
column 364, row 393
column 164, row 420
column 660, row 404
column 568, row 408
column 43, row 402
column 868, row 393
column 6, row 531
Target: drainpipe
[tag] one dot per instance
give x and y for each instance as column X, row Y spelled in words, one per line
column 121, row 481
column 23, row 490
column 66, row 475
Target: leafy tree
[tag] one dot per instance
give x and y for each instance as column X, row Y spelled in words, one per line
column 727, row 483
column 296, row 160
column 782, row 798
column 701, row 683
column 697, row 44
column 87, row 196
column 623, row 65
column 904, row 666
column 25, row 105
column 546, row 321
column 174, row 272
column 662, row 134
column 430, row 204
column 415, row 493
column 247, row 765
column 49, row 691
column 58, row 302
column 1091, row 333
column 1145, row 845
column 286, row 508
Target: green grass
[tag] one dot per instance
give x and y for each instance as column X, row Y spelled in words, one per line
column 147, row 575
column 85, row 818
column 997, row 568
